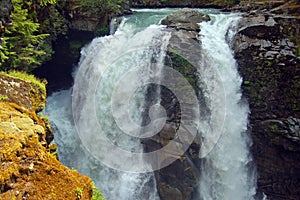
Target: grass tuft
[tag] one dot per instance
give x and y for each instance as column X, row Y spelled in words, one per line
column 27, row 77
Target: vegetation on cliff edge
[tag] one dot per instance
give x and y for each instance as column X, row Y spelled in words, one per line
column 27, row 42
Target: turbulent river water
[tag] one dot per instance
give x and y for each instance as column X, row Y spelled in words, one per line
column 91, row 117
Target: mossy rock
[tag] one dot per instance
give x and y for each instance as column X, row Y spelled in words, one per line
column 28, row 170
column 24, row 90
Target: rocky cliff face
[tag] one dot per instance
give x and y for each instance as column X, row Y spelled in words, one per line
column 267, row 52
column 29, row 168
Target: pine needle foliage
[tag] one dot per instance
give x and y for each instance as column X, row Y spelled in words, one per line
column 22, row 46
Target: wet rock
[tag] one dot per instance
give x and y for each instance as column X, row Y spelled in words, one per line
column 179, row 179
column 267, row 60
column 186, row 19
column 170, row 193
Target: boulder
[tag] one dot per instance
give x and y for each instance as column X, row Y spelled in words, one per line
column 185, row 19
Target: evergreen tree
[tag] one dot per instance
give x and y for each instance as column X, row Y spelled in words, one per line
column 45, row 2
column 22, row 46
column 97, row 6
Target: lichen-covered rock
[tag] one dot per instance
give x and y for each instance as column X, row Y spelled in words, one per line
column 268, row 60
column 23, row 92
column 28, row 170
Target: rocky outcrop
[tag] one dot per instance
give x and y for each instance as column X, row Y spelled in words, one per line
column 82, row 19
column 92, row 18
column 77, row 25
column 185, row 19
column 267, row 52
column 178, row 181
column 29, row 168
column 286, row 7
column 30, row 95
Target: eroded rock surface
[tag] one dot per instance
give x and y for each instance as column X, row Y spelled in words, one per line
column 180, row 179
column 185, row 19
column 29, row 168
column 267, row 52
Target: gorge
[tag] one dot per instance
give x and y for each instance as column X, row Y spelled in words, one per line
column 141, row 46
column 188, row 104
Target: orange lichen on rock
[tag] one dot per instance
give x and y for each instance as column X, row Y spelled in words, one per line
column 27, row 168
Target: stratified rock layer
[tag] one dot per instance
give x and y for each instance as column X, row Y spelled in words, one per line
column 266, row 52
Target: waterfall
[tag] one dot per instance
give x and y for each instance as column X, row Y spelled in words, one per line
column 84, row 116
column 106, row 104
column 225, row 172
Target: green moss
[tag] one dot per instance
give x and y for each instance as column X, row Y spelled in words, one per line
column 44, row 118
column 54, row 154
column 75, row 44
column 78, row 192
column 275, row 140
column 27, row 77
column 185, row 68
column 3, row 97
column 102, row 31
column 97, row 194
column 274, row 127
column 246, row 82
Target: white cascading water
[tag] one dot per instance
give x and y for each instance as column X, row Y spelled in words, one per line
column 224, row 173
column 137, row 42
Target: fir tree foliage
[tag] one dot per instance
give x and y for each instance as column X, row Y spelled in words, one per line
column 46, row 2
column 22, row 46
column 103, row 5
